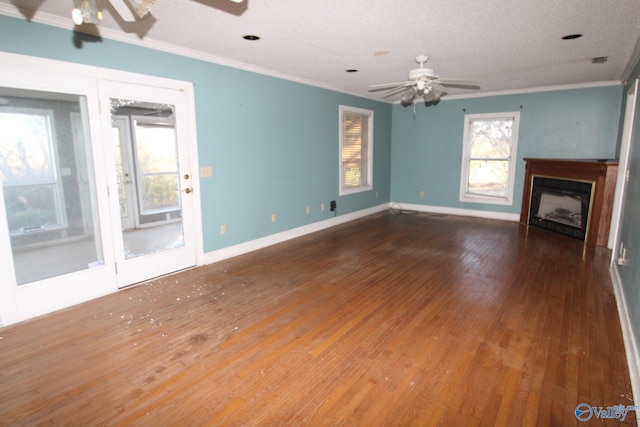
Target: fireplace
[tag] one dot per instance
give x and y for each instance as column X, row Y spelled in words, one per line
column 561, row 205
column 571, row 197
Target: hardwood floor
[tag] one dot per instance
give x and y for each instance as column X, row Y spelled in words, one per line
column 389, row 320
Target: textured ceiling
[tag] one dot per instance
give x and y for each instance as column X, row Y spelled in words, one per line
column 506, row 45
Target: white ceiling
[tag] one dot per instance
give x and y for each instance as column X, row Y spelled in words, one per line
column 507, row 45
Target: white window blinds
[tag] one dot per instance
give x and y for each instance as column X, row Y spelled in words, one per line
column 355, row 149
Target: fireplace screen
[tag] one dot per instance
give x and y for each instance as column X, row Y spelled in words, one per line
column 561, row 205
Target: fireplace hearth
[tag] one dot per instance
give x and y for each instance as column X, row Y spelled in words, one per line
column 570, row 197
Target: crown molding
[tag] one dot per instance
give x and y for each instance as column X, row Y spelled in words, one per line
column 67, row 24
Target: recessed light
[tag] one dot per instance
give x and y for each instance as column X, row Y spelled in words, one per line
column 572, row 36
column 351, row 70
column 251, row 37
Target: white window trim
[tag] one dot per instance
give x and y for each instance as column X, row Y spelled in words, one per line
column 369, row 184
column 464, row 175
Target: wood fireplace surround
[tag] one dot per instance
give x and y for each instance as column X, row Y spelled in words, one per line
column 602, row 173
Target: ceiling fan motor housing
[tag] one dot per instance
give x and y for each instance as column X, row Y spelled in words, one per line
column 416, row 73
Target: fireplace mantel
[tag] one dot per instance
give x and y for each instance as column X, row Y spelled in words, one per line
column 601, row 172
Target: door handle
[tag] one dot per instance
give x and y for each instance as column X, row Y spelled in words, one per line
column 188, row 190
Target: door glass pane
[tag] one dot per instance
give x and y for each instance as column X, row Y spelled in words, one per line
column 47, row 184
column 151, row 176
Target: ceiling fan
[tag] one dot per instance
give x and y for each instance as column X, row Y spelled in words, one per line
column 424, row 83
column 89, row 11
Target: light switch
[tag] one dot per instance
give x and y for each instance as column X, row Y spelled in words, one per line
column 206, row 171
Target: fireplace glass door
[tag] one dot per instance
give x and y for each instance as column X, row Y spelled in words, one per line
column 561, row 205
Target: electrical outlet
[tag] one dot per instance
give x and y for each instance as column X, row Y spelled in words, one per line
column 223, row 229
column 377, row 194
column 421, row 193
column 308, row 210
column 332, row 205
column 322, row 207
column 273, row 218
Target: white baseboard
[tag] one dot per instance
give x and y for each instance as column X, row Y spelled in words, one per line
column 630, row 343
column 458, row 211
column 263, row 242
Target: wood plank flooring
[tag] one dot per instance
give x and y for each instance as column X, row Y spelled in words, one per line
column 389, row 320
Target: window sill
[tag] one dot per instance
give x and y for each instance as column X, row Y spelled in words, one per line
column 353, row 190
column 475, row 198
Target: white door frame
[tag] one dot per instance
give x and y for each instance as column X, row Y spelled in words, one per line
column 137, row 269
column 623, row 166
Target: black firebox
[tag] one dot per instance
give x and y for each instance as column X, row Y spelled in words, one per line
column 561, row 205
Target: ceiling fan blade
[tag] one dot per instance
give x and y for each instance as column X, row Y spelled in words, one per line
column 123, row 10
column 459, row 82
column 396, row 91
column 383, row 86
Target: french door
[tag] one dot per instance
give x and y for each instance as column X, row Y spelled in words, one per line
column 96, row 188
column 151, row 180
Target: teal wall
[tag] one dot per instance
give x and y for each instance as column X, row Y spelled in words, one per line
column 272, row 143
column 427, row 150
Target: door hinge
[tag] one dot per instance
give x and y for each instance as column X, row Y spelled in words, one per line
column 116, row 266
column 108, row 195
column 626, row 175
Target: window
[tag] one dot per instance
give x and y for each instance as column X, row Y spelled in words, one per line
column 156, row 156
column 29, row 171
column 488, row 169
column 356, row 150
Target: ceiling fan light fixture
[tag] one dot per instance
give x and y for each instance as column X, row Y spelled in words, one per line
column 76, row 16
column 424, row 83
column 141, row 7
column 86, row 12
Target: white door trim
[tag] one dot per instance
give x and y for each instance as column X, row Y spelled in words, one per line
column 623, row 166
